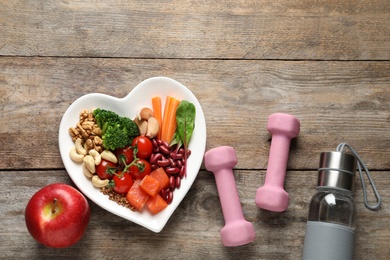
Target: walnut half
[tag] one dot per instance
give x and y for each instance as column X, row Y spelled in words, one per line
column 88, row 131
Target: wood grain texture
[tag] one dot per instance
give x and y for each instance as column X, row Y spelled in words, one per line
column 326, row 30
column 335, row 102
column 193, row 230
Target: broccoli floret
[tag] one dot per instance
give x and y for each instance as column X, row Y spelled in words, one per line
column 117, row 131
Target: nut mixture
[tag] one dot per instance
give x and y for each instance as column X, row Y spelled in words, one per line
column 89, row 151
column 88, row 131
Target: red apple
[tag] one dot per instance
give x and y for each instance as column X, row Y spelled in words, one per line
column 57, row 215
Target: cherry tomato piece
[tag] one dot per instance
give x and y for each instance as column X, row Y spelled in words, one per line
column 106, row 169
column 122, row 182
column 144, row 146
column 140, row 169
column 126, row 153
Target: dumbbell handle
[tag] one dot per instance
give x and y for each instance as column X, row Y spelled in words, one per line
column 228, row 195
column 277, row 161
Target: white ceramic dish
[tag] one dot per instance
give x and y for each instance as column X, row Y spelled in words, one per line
column 128, row 106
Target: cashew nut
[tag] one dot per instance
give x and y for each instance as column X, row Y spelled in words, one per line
column 89, row 162
column 96, row 156
column 79, row 147
column 153, row 127
column 99, row 183
column 86, row 172
column 109, row 156
column 75, row 156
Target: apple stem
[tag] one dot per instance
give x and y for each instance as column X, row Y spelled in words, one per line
column 54, row 208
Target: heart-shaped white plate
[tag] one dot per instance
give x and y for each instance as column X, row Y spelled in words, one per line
column 128, row 106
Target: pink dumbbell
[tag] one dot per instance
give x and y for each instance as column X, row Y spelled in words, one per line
column 272, row 195
column 237, row 231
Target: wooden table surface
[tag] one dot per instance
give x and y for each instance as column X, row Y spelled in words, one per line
column 326, row 62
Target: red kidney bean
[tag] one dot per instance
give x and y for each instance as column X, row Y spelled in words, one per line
column 151, row 158
column 164, row 149
column 172, row 170
column 177, row 182
column 163, row 162
column 172, row 182
column 179, row 163
column 169, row 197
column 155, row 144
column 182, row 172
column 159, row 142
column 172, row 162
column 155, row 157
column 164, row 194
column 162, row 143
column 176, row 156
column 154, row 167
column 181, row 151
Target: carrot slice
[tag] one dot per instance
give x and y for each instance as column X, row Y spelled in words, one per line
column 169, row 121
column 150, row 185
column 156, row 104
column 165, row 116
column 136, row 196
column 156, row 204
column 162, row 177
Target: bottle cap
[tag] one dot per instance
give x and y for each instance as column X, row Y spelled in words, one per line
column 337, row 170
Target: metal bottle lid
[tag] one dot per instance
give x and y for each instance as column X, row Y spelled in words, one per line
column 337, row 170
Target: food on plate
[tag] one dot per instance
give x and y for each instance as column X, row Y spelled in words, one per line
column 121, row 182
column 148, row 125
column 157, row 112
column 150, row 185
column 185, row 118
column 136, row 196
column 168, row 127
column 57, row 215
column 143, row 145
column 141, row 161
column 156, row 204
column 117, row 131
column 87, row 131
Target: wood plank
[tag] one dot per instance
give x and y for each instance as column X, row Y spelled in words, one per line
column 335, row 101
column 194, row 228
column 321, row 30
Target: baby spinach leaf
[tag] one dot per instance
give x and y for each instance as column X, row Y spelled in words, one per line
column 185, row 119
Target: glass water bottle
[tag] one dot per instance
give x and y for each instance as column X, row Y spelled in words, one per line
column 330, row 229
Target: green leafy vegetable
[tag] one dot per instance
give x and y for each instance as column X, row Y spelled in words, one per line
column 117, row 131
column 185, row 119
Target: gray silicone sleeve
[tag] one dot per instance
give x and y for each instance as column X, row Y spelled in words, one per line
column 327, row 241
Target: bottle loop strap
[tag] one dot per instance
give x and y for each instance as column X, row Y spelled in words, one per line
column 341, row 148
